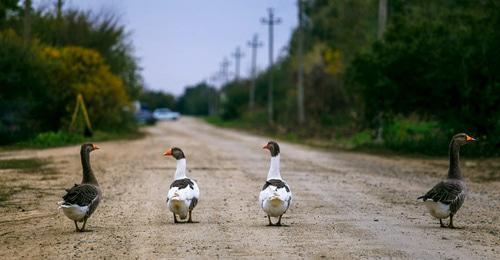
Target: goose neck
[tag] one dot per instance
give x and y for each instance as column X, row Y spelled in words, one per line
column 88, row 174
column 454, row 153
column 180, row 171
column 274, row 168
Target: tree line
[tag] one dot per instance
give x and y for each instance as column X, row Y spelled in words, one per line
column 50, row 55
column 431, row 73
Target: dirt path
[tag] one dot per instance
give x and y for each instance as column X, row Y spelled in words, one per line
column 346, row 205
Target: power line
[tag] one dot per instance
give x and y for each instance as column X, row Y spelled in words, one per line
column 270, row 21
column 254, row 44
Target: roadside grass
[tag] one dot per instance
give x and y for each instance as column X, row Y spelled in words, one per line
column 57, row 139
column 407, row 136
column 29, row 165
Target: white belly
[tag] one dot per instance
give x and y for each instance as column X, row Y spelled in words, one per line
column 437, row 209
column 274, row 206
column 75, row 212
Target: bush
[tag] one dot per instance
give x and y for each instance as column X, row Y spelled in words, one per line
column 49, row 139
column 416, row 136
column 83, row 71
column 27, row 103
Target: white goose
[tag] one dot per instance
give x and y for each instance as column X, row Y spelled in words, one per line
column 275, row 197
column 183, row 194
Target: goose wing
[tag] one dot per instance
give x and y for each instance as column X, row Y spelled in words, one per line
column 81, row 195
column 183, row 183
column 279, row 184
column 187, row 189
column 447, row 192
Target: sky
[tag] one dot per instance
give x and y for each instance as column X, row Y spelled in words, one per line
column 182, row 42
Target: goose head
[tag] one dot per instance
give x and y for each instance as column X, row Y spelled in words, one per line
column 175, row 152
column 462, row 139
column 273, row 147
column 88, row 147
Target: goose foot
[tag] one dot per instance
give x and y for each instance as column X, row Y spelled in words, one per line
column 83, row 227
column 279, row 221
column 450, row 225
column 190, row 220
column 270, row 223
column 441, row 222
column 77, row 228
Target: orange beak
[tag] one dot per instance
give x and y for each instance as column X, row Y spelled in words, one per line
column 95, row 147
column 470, row 139
column 265, row 146
column 167, row 152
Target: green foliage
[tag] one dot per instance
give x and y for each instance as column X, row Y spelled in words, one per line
column 434, row 74
column 83, row 71
column 30, row 164
column 413, row 135
column 62, row 138
column 5, row 7
column 50, row 139
column 198, row 100
column 234, row 106
column 101, row 32
column 443, row 68
column 156, row 99
column 361, row 139
column 26, row 101
column 39, row 85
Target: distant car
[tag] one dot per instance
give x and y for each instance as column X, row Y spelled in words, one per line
column 165, row 114
column 144, row 116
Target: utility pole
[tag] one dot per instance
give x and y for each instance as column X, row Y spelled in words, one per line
column 237, row 57
column 212, row 95
column 382, row 22
column 224, row 70
column 254, row 44
column 59, row 9
column 300, row 77
column 270, row 21
column 27, row 22
column 382, row 18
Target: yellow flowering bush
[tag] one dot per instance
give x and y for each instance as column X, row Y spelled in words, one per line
column 80, row 70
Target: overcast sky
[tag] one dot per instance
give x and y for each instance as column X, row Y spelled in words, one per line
column 182, row 42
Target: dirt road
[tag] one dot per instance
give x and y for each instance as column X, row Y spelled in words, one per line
column 346, row 205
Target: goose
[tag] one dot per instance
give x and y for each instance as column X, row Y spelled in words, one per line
column 183, row 194
column 446, row 198
column 275, row 197
column 82, row 199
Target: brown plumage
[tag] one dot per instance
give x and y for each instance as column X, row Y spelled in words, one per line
column 81, row 200
column 449, row 195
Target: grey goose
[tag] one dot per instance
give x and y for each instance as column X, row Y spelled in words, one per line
column 446, row 198
column 81, row 200
column 183, row 194
column 275, row 196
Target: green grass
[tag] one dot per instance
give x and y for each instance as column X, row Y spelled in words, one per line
column 401, row 135
column 31, row 164
column 56, row 139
